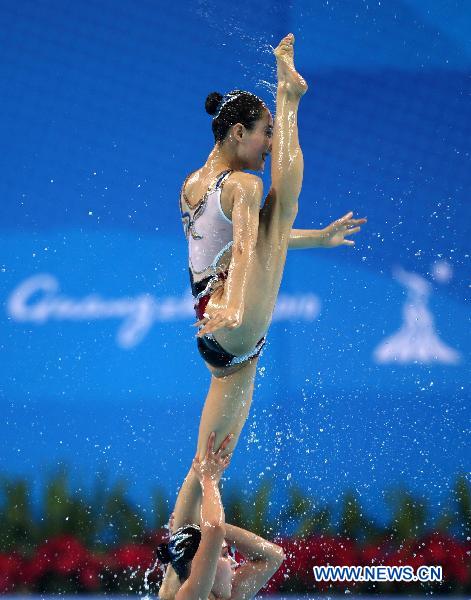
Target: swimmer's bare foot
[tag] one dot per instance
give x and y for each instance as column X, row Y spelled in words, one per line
column 288, row 78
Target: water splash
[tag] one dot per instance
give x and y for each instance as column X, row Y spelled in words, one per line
column 227, row 26
column 148, row 571
column 269, row 86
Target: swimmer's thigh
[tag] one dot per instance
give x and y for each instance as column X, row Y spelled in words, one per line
column 227, row 406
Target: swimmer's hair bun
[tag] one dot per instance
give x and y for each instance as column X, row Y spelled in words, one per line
column 163, row 553
column 212, row 103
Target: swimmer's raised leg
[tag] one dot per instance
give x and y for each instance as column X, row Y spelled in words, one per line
column 277, row 215
column 287, row 162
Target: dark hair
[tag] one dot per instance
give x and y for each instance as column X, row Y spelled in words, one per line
column 180, row 549
column 234, row 107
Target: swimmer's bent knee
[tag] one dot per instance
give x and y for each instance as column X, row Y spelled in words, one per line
column 224, row 363
column 222, row 372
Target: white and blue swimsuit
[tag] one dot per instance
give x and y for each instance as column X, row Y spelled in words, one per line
column 210, row 237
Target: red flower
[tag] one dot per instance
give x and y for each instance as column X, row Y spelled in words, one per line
column 375, row 553
column 441, row 549
column 10, row 567
column 89, row 577
column 106, row 562
column 34, row 568
column 134, row 556
column 157, row 537
column 327, row 550
column 436, row 548
column 303, row 554
column 287, row 569
column 63, row 555
column 69, row 555
column 401, row 555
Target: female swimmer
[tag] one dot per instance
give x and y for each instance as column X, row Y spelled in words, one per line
column 237, row 250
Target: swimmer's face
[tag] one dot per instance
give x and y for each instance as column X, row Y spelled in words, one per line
column 222, row 586
column 254, row 145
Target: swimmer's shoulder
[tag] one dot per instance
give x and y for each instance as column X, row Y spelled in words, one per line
column 237, row 184
column 242, row 183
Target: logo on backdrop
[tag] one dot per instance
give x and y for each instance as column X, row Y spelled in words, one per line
column 38, row 300
column 417, row 341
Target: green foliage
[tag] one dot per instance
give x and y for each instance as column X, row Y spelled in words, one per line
column 106, row 516
column 160, row 509
column 353, row 523
column 301, row 511
column 463, row 501
column 251, row 512
column 409, row 515
column 118, row 511
column 260, row 524
column 17, row 527
column 66, row 512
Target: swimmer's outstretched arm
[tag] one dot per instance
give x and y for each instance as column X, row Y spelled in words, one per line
column 330, row 237
column 263, row 560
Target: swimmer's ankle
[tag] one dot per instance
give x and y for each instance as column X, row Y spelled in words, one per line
column 286, row 91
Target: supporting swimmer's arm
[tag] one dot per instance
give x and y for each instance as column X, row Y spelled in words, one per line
column 252, row 546
column 264, row 559
column 204, row 564
column 330, row 237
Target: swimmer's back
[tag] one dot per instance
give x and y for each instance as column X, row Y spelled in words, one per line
column 238, row 182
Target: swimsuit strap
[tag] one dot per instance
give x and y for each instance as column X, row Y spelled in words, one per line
column 215, row 183
column 222, row 176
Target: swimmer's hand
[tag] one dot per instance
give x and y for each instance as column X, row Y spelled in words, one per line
column 221, row 317
column 214, row 462
column 334, row 234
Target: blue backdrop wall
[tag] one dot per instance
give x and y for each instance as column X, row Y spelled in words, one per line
column 364, row 381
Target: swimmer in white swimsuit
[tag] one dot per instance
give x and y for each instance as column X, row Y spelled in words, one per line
column 209, row 234
column 245, row 282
